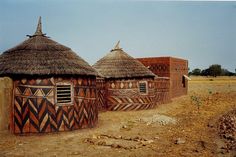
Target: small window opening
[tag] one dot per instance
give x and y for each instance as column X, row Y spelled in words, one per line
column 183, row 82
column 63, row 94
column 143, row 87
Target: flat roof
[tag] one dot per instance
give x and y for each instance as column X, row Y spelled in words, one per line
column 162, row 57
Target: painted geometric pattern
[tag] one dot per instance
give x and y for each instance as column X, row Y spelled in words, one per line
column 128, row 84
column 162, row 90
column 101, row 94
column 116, row 103
column 35, row 110
column 101, row 99
column 125, row 95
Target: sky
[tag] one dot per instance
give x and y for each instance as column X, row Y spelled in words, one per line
column 204, row 33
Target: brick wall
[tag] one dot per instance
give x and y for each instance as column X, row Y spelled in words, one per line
column 159, row 66
column 178, row 85
column 171, row 67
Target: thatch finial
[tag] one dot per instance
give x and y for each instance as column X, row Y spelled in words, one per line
column 117, row 45
column 39, row 28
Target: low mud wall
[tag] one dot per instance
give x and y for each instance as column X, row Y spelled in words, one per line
column 6, row 86
column 162, row 87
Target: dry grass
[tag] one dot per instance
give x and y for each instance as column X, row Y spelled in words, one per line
column 216, row 79
column 197, row 128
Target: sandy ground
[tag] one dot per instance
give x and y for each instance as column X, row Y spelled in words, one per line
column 178, row 128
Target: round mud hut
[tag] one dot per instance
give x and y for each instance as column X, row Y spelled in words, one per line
column 53, row 88
column 128, row 84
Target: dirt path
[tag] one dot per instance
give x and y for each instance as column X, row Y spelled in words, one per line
column 174, row 129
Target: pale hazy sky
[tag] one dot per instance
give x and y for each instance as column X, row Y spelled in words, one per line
column 202, row 32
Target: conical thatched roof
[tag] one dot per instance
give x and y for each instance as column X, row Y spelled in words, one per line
column 118, row 64
column 40, row 55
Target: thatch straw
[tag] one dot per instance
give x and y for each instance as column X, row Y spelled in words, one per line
column 118, row 64
column 40, row 55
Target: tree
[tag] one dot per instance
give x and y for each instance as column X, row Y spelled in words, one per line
column 196, row 72
column 225, row 72
column 215, row 70
column 205, row 72
column 189, row 72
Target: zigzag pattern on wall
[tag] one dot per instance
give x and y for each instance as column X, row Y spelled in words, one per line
column 35, row 110
column 101, row 94
column 116, row 103
column 127, row 92
column 101, row 99
column 125, row 95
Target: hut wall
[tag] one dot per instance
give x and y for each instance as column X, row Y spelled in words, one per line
column 125, row 95
column 35, row 109
column 6, row 86
column 101, row 94
column 162, row 86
